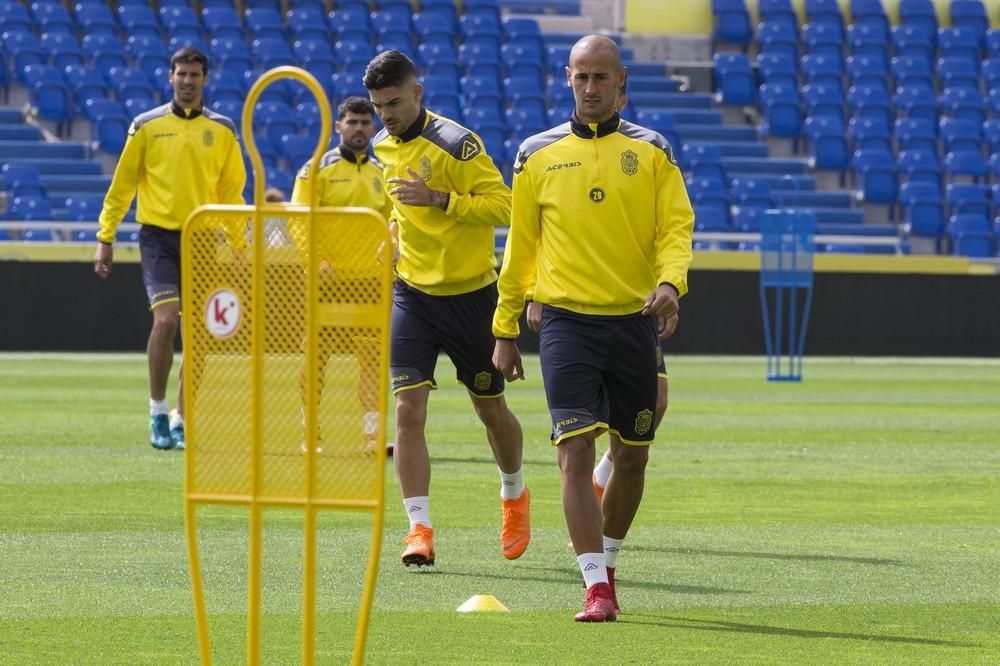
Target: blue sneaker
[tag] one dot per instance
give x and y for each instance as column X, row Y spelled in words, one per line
column 177, row 434
column 159, row 436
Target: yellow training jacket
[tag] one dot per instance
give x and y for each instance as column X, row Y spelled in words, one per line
column 178, row 160
column 445, row 252
column 601, row 214
column 344, row 178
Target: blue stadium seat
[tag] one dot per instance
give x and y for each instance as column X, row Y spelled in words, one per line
column 398, row 41
column 778, row 68
column 870, row 133
column 704, row 161
column 138, row 20
column 751, row 193
column 824, row 101
column 391, row 21
column 778, row 38
column 20, row 180
column 482, row 92
column 965, row 163
column 746, row 219
column 307, row 115
column 824, row 11
column 991, row 133
column 109, row 124
column 971, row 236
column 52, row 17
column 95, row 19
column 968, row 198
column 148, row 52
column 991, row 73
column 264, row 23
column 271, row 52
column 875, row 174
column 954, row 72
column 348, row 84
column 870, row 102
column 85, row 82
column 963, row 102
column 224, row 85
column 778, row 11
column 276, row 119
column 84, row 208
column 522, row 92
column 912, row 70
column 914, row 40
column 49, row 92
column 31, row 209
column 222, row 22
column 482, row 29
column 482, row 7
column 296, row 149
column 916, row 134
column 129, row 83
column 709, row 196
column 923, row 209
column 780, row 106
column 823, row 70
column 105, row 51
column 524, row 122
column 732, row 23
column 354, row 52
column 307, row 23
column 735, row 83
column 916, row 101
column 664, row 123
column 920, row 166
column 431, row 54
column 970, row 14
column 481, row 60
column 959, row 43
column 523, row 60
column 230, row 108
column 15, row 18
column 919, row 13
column 138, row 105
column 993, row 43
column 24, row 50
column 960, row 134
column 436, row 27
column 523, row 31
column 869, row 39
column 828, row 149
column 869, row 13
column 868, row 71
column 179, row 17
column 62, row 49
column 824, row 39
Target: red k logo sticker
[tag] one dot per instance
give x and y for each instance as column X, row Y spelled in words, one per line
column 223, row 313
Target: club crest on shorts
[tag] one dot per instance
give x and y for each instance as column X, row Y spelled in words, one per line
column 208, row 138
column 425, row 168
column 630, row 163
column 482, row 381
column 597, row 195
column 643, row 422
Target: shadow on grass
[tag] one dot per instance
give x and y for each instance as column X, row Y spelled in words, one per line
column 806, row 557
column 563, row 576
column 489, row 461
column 738, row 627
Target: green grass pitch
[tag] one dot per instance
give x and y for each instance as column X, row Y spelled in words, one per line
column 852, row 519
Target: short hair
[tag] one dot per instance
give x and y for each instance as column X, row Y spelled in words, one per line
column 189, row 54
column 274, row 195
column 355, row 104
column 389, row 69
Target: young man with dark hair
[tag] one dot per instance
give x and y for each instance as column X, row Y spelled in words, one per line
column 347, row 176
column 605, row 238
column 447, row 197
column 177, row 157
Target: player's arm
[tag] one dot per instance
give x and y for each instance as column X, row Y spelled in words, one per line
column 300, row 196
column 232, row 180
column 517, row 277
column 483, row 197
column 123, row 184
column 674, row 225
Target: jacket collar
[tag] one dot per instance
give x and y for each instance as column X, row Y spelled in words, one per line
column 352, row 156
column 414, row 130
column 180, row 112
column 588, row 130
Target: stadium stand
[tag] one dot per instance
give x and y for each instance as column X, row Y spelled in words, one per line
column 910, row 111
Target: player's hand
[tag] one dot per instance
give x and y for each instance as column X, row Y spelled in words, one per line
column 103, row 259
column 662, row 302
column 533, row 314
column 415, row 192
column 507, row 359
column 666, row 327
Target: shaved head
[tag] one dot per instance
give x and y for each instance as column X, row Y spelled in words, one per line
column 593, row 44
column 596, row 75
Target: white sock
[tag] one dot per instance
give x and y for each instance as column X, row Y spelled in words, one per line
column 158, row 407
column 371, row 423
column 176, row 420
column 603, row 470
column 593, row 568
column 418, row 510
column 511, row 485
column 611, row 549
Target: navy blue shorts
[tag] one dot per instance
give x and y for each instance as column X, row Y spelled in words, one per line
column 461, row 326
column 160, row 255
column 600, row 374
